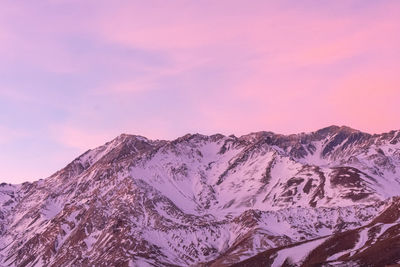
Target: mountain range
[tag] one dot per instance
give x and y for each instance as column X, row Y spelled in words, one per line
column 325, row 198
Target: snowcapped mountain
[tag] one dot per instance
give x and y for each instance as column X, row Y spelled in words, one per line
column 263, row 199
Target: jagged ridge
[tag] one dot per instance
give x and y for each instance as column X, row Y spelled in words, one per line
column 206, row 200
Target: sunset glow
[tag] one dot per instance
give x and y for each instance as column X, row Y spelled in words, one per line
column 76, row 74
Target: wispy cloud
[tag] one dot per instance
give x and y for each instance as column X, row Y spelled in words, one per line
column 8, row 135
column 75, row 74
column 80, row 138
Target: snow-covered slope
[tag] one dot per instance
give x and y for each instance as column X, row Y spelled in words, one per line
column 373, row 244
column 207, row 200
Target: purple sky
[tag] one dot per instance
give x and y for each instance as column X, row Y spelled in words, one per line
column 75, row 74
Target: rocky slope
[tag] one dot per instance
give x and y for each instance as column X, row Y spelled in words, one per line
column 322, row 198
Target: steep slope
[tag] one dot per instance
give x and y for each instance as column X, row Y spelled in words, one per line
column 203, row 200
column 374, row 244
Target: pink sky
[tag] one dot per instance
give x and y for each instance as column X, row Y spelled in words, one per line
column 75, row 74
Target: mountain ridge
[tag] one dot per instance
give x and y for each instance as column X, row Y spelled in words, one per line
column 208, row 200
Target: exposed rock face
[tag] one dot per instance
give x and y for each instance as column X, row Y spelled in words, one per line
column 323, row 198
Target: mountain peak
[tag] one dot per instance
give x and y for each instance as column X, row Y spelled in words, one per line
column 333, row 129
column 124, row 137
column 212, row 200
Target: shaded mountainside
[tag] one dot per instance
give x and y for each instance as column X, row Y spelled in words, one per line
column 374, row 244
column 324, row 198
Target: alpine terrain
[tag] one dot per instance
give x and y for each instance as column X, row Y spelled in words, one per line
column 326, row 198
